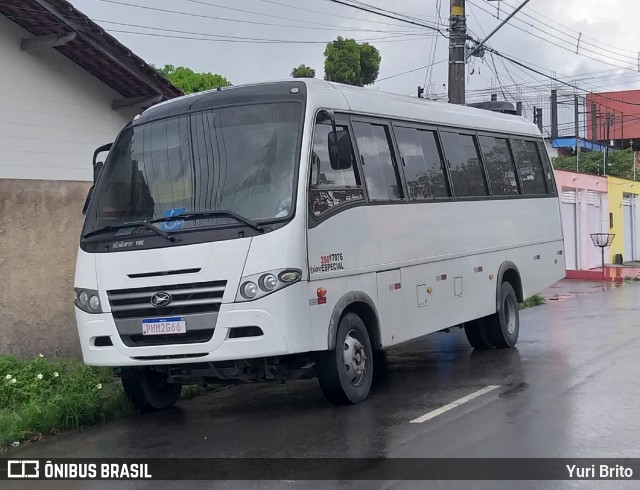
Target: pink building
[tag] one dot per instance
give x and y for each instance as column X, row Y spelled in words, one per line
column 585, row 210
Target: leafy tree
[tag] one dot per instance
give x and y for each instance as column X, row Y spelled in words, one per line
column 620, row 163
column 346, row 61
column 303, row 71
column 190, row 81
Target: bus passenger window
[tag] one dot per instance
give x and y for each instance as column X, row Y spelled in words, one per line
column 548, row 167
column 380, row 174
column 329, row 187
column 423, row 166
column 500, row 166
column 529, row 165
column 463, row 159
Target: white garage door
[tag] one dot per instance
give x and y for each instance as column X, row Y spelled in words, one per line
column 568, row 212
column 594, row 222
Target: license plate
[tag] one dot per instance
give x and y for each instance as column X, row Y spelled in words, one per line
column 164, row 326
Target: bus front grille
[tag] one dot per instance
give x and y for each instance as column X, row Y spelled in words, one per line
column 174, row 300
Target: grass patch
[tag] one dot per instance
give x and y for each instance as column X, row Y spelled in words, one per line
column 535, row 300
column 40, row 397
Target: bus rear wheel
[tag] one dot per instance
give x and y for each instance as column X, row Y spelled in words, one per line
column 503, row 327
column 345, row 373
column 149, row 390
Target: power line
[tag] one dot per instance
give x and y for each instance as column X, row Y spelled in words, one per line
column 522, row 65
column 564, row 29
column 237, row 39
column 368, row 8
column 411, row 71
column 332, row 14
column 562, row 40
column 242, row 21
column 434, row 48
column 577, row 32
column 228, row 38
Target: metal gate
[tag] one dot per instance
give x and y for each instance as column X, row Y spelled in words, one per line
column 629, row 228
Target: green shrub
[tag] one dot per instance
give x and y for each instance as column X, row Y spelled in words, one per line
column 535, row 300
column 43, row 397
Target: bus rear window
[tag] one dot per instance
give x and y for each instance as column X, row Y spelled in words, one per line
column 529, row 165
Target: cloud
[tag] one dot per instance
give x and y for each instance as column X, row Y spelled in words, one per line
column 243, row 62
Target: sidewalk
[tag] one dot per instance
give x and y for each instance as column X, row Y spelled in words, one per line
column 570, row 288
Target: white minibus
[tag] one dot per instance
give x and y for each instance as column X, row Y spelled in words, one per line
column 292, row 229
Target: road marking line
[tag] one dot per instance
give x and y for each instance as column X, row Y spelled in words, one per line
column 454, row 404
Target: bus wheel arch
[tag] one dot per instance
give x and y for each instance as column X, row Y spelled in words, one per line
column 510, row 273
column 362, row 305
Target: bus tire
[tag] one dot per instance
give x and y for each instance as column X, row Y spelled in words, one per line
column 345, row 373
column 149, row 390
column 503, row 326
column 477, row 336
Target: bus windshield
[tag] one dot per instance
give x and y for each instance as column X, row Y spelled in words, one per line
column 239, row 159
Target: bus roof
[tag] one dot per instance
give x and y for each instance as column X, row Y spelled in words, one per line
column 341, row 97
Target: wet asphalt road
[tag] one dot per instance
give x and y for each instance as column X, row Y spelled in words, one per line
column 569, row 389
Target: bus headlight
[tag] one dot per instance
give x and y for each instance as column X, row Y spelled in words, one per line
column 268, row 282
column 88, row 300
column 249, row 290
column 259, row 285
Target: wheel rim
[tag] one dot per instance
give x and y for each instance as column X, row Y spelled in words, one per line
column 510, row 314
column 355, row 358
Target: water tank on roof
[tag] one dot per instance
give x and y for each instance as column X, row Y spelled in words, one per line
column 495, row 106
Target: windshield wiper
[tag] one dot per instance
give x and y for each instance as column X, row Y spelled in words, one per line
column 211, row 214
column 133, row 224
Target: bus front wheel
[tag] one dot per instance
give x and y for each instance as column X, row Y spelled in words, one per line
column 503, row 326
column 345, row 373
column 149, row 390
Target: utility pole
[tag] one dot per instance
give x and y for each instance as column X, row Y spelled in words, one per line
column 554, row 114
column 457, row 60
column 594, row 123
column 577, row 124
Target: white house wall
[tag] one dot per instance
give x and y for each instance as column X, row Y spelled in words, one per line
column 53, row 114
column 585, row 210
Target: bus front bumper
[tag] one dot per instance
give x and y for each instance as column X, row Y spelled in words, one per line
column 280, row 336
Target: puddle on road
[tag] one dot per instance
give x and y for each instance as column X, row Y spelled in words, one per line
column 568, row 293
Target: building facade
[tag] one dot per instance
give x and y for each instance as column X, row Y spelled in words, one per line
column 624, row 202
column 63, row 93
column 584, row 208
column 592, row 204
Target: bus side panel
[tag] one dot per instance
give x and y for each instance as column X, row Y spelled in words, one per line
column 455, row 249
column 442, row 294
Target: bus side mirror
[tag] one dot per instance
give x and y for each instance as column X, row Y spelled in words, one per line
column 97, row 166
column 340, row 150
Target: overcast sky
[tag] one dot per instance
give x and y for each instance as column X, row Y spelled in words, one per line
column 608, row 33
